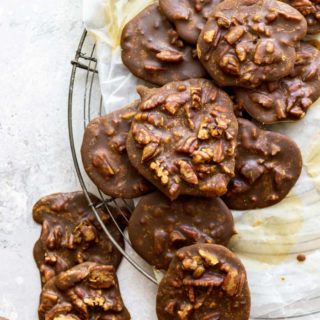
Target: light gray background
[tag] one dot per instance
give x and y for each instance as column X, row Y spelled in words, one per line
column 39, row 38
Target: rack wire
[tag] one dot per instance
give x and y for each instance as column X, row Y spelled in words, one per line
column 89, row 64
column 92, row 96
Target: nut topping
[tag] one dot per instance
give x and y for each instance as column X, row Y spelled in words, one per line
column 244, row 43
column 218, row 291
column 198, row 127
column 290, row 97
column 86, row 291
column 71, row 234
column 187, row 172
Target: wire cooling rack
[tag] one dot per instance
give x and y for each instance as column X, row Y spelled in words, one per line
column 85, row 103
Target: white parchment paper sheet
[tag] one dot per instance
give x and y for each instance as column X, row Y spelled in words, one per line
column 268, row 240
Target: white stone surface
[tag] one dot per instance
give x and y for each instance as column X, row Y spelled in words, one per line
column 38, row 40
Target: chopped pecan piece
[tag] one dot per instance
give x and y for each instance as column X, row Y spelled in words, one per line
column 184, row 311
column 207, row 280
column 101, row 277
column 230, row 64
column 177, row 237
column 189, row 145
column 210, row 35
column 262, row 99
column 196, row 97
column 234, row 34
column 152, row 102
column 171, row 306
column 231, row 281
column 161, row 172
column 143, row 136
column 202, row 156
column 209, row 258
column 218, row 152
column 57, row 310
column 187, row 172
column 169, row 56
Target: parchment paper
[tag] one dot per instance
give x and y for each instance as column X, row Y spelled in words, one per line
column 268, row 240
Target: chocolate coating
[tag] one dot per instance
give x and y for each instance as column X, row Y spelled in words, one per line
column 204, row 281
column 311, row 11
column 268, row 164
column 246, row 42
column 153, row 51
column 289, row 98
column 105, row 158
column 71, row 234
column 167, row 225
column 188, row 16
column 86, row 291
column 183, row 138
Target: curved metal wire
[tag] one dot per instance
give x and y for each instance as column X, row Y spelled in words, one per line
column 89, row 64
column 77, row 64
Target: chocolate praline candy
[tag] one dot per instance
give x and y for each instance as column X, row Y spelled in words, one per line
column 268, row 164
column 72, row 235
column 105, row 158
column 246, row 42
column 188, row 16
column 86, row 291
column 311, row 11
column 167, row 225
column 204, row 281
column 183, row 138
column 153, row 51
column 289, row 98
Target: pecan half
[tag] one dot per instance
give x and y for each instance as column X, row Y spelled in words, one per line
column 101, row 277
column 202, row 156
column 58, row 310
column 143, row 136
column 100, row 161
column 150, row 151
column 189, row 145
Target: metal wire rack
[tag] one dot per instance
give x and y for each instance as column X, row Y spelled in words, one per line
column 92, row 99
